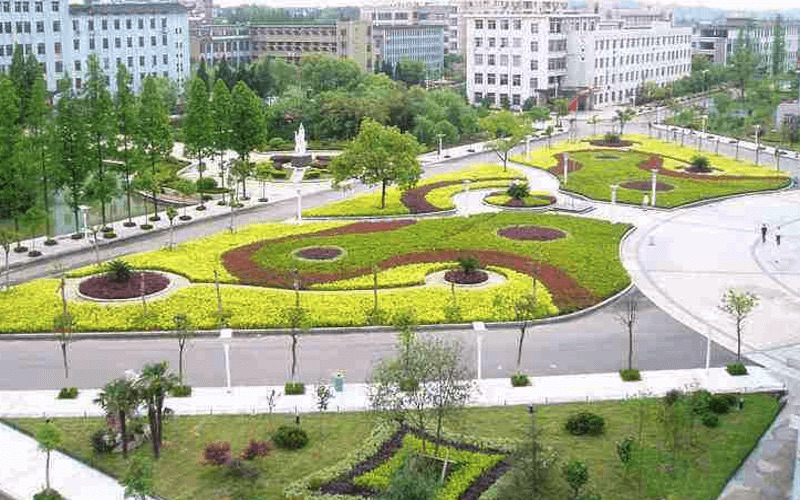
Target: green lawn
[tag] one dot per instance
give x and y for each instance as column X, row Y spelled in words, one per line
column 600, row 170
column 700, row 472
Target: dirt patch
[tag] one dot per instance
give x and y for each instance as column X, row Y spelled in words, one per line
column 414, row 199
column 319, row 253
column 647, row 186
column 105, row 288
column 461, row 277
column 531, row 233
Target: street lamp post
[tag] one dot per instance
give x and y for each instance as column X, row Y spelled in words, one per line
column 654, row 180
column 225, row 335
column 527, row 145
column 758, row 141
column 465, row 183
column 299, row 205
column 479, row 327
column 440, row 137
column 85, row 215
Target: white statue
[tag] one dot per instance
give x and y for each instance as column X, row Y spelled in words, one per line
column 300, row 141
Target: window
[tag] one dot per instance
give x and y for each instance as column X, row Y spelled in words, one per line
column 154, row 61
column 40, row 26
column 163, row 22
column 504, row 24
column 479, row 78
column 515, row 100
column 117, row 42
column 490, row 97
column 492, row 42
column 491, row 24
column 479, row 24
column 516, row 61
column 491, row 60
column 534, row 46
column 477, row 42
column 130, row 62
column 59, row 67
column 40, row 49
column 517, row 24
column 503, row 60
column 478, row 97
column 534, row 65
column 503, row 79
column 77, row 65
column 78, row 83
column 54, row 6
column 141, row 23
column 516, row 80
column 130, row 42
column 104, row 24
column 165, row 59
column 57, row 48
column 478, row 59
column 116, row 24
column 76, row 44
column 164, row 40
column 141, row 61
column 38, row 7
column 6, row 6
column 152, row 23
column 56, row 26
column 105, row 43
column 152, row 41
column 534, row 28
column 503, row 43
column 491, row 78
column 141, row 41
column 91, row 44
column 517, row 43
column 128, row 23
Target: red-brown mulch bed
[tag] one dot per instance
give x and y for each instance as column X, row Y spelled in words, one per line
column 460, row 277
column 319, row 253
column 657, row 163
column 572, row 166
column 699, row 170
column 531, row 233
column 521, row 203
column 647, row 186
column 103, row 287
column 606, row 144
column 414, row 199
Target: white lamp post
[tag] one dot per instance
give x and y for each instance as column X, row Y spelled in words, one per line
column 653, row 188
column 479, row 327
column 465, row 183
column 225, row 335
column 614, row 188
column 84, row 209
column 528, row 146
column 758, row 141
column 566, row 167
column 439, row 153
column 299, row 204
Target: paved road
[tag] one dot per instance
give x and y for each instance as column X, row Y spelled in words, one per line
column 593, row 343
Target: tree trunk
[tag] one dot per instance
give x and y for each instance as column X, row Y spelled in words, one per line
column 123, row 427
column 64, row 356
column 155, row 195
column 127, row 183
column 8, row 273
column 294, row 353
column 46, row 198
column 738, row 340
column 180, row 364
column 630, row 347
column 519, row 347
column 383, row 193
column 47, row 471
column 151, row 414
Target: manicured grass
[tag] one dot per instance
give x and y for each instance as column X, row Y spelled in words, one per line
column 700, row 471
column 578, row 270
column 535, row 199
column 598, row 173
column 370, row 203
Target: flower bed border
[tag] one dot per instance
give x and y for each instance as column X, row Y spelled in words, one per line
column 155, row 282
column 548, row 231
column 297, row 253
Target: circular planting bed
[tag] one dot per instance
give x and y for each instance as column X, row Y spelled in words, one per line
column 318, row 253
column 461, row 277
column 533, row 201
column 104, row 287
column 606, row 144
column 647, row 186
column 699, row 169
column 602, row 156
column 531, row 233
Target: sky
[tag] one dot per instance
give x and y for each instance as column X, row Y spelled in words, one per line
column 719, row 4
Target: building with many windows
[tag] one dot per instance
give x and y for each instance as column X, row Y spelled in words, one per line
column 290, row 39
column 418, row 43
column 149, row 38
column 419, row 13
column 521, row 50
column 716, row 42
column 214, row 43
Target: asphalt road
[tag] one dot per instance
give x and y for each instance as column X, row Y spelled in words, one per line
column 593, row 343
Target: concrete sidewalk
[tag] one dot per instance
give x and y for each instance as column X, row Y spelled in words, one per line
column 490, row 392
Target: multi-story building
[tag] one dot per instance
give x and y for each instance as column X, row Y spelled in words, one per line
column 149, row 38
column 214, row 43
column 417, row 13
column 519, row 50
column 419, row 43
column 717, row 42
column 291, row 39
column 200, row 11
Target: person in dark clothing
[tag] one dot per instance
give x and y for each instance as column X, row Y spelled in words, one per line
column 763, row 233
column 778, row 236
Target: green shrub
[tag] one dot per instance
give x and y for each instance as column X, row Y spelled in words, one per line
column 109, row 235
column 409, row 385
column 145, row 227
column 710, row 420
column 68, row 393
column 50, row 494
column 280, row 174
column 584, row 423
column 611, row 138
column 290, row 437
column 103, row 441
column 519, row 190
column 312, row 174
column 701, row 163
column 242, row 470
column 720, row 404
column 736, row 369
column 700, row 401
column 206, row 184
column 181, row 391
column 412, row 482
column 468, row 264
column 630, row 375
column 520, row 380
column 294, row 388
column 119, row 271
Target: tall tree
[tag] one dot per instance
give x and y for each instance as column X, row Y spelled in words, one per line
column 744, row 61
column 778, row 46
column 41, row 130
column 18, row 185
column 154, row 134
column 506, row 130
column 23, row 73
column 202, row 73
column 49, row 438
column 198, row 127
column 154, row 383
column 102, row 186
column 379, row 155
column 71, row 144
column 247, row 127
column 127, row 116
column 412, row 72
column 221, row 117
column 322, row 72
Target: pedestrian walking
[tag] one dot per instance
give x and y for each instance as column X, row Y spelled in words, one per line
column 763, row 233
column 778, row 236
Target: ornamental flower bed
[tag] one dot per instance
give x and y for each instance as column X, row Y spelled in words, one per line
column 647, row 186
column 531, row 233
column 104, row 287
column 461, row 277
column 319, row 253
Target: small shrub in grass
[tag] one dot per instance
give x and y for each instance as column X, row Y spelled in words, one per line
column 720, row 404
column 520, row 380
column 294, row 388
column 290, row 437
column 630, row 375
column 68, row 393
column 50, row 242
column 103, row 441
column 409, row 385
column 145, row 227
column 217, row 453
column 736, row 369
column 700, row 401
column 256, row 449
column 519, row 190
column 181, row 391
column 710, row 420
column 48, row 494
column 242, row 470
column 585, row 423
column 110, row 235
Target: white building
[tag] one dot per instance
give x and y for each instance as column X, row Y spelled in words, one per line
column 151, row 39
column 520, row 50
column 419, row 13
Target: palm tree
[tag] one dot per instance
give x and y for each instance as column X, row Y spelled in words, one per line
column 120, row 397
column 154, row 383
column 623, row 117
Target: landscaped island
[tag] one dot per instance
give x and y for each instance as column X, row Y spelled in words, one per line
column 574, row 260
column 683, row 175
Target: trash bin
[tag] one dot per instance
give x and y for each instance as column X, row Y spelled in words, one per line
column 338, row 382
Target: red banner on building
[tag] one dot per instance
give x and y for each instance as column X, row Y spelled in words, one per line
column 573, row 105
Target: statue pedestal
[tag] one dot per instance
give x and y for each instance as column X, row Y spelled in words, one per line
column 301, row 160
